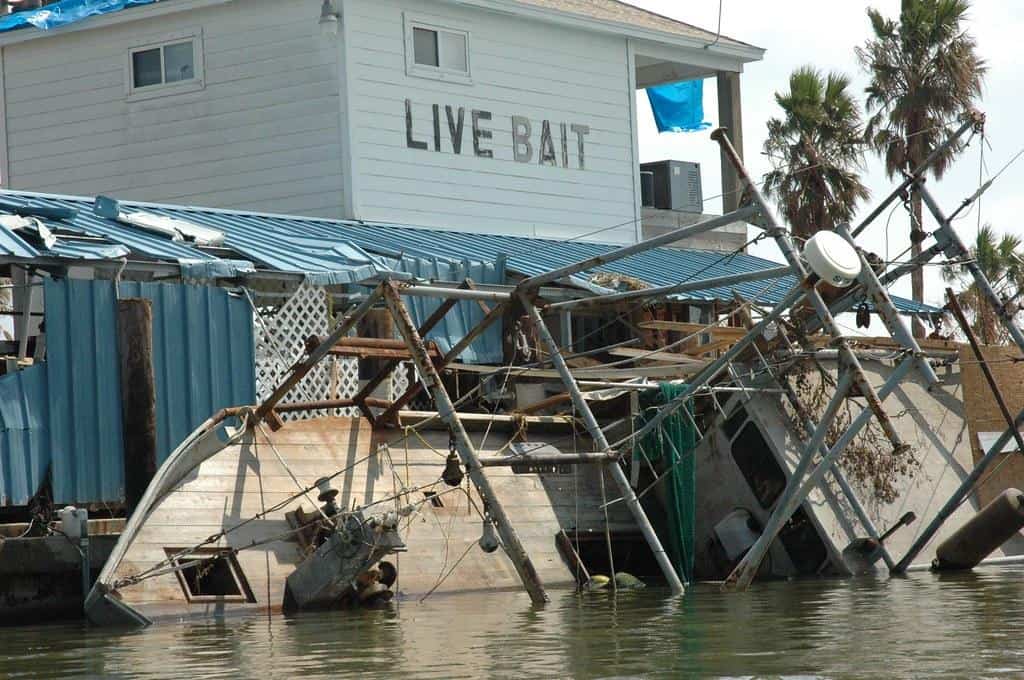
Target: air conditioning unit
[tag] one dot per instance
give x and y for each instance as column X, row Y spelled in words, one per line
column 676, row 185
column 646, row 189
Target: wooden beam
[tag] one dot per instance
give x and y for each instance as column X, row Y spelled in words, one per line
column 648, row 355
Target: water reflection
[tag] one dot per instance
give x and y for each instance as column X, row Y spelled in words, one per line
column 922, row 625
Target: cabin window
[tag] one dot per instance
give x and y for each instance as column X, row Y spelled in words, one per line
column 166, row 67
column 210, row 575
column 434, row 51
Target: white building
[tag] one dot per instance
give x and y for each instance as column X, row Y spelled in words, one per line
column 510, row 116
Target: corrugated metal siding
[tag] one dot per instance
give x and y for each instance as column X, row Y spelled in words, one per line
column 203, row 359
column 85, row 392
column 24, row 434
column 203, row 355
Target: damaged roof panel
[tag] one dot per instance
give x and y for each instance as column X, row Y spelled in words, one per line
column 345, row 251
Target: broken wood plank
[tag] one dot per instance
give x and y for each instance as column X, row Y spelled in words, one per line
column 691, row 328
column 648, row 355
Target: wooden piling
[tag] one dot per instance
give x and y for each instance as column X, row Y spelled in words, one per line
column 138, row 396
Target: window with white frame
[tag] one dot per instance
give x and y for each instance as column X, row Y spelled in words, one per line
column 171, row 65
column 434, row 51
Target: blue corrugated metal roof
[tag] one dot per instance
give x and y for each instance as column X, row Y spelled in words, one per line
column 344, row 251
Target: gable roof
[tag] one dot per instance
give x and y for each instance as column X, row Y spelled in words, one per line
column 618, row 12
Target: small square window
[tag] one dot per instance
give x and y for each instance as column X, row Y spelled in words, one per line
column 146, row 67
column 179, row 62
column 425, row 46
column 453, row 56
column 437, row 52
column 173, row 66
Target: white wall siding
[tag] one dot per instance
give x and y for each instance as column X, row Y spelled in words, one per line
column 518, row 67
column 263, row 133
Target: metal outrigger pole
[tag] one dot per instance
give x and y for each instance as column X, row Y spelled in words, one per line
column 463, row 445
column 853, row 376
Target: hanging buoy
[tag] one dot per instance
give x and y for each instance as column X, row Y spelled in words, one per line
column 863, row 316
column 489, row 539
column 452, row 474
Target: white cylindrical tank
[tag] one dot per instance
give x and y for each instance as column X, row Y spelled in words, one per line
column 71, row 519
column 832, row 258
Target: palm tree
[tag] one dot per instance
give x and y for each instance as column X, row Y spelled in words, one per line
column 1000, row 260
column 816, row 148
column 925, row 73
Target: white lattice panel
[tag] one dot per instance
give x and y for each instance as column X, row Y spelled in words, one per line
column 280, row 342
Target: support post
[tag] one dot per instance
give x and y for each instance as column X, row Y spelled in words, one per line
column 467, row 453
column 138, row 396
column 583, row 408
column 730, row 115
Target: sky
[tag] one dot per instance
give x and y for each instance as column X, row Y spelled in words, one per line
column 824, row 34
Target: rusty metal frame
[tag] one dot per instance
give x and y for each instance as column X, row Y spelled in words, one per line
column 463, row 445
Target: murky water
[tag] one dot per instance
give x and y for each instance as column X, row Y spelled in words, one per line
column 920, row 626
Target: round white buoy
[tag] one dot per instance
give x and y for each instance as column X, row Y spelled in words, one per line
column 832, row 258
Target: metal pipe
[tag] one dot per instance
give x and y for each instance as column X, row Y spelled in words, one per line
column 837, row 473
column 954, row 501
column 973, row 119
column 821, row 309
column 958, row 312
column 745, row 571
column 417, row 290
column 583, row 408
column 464, row 446
column 887, row 311
column 534, row 282
column 958, row 249
column 700, row 284
column 323, row 404
column 554, row 459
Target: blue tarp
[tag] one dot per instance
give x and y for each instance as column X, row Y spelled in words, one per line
column 678, row 107
column 65, row 12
